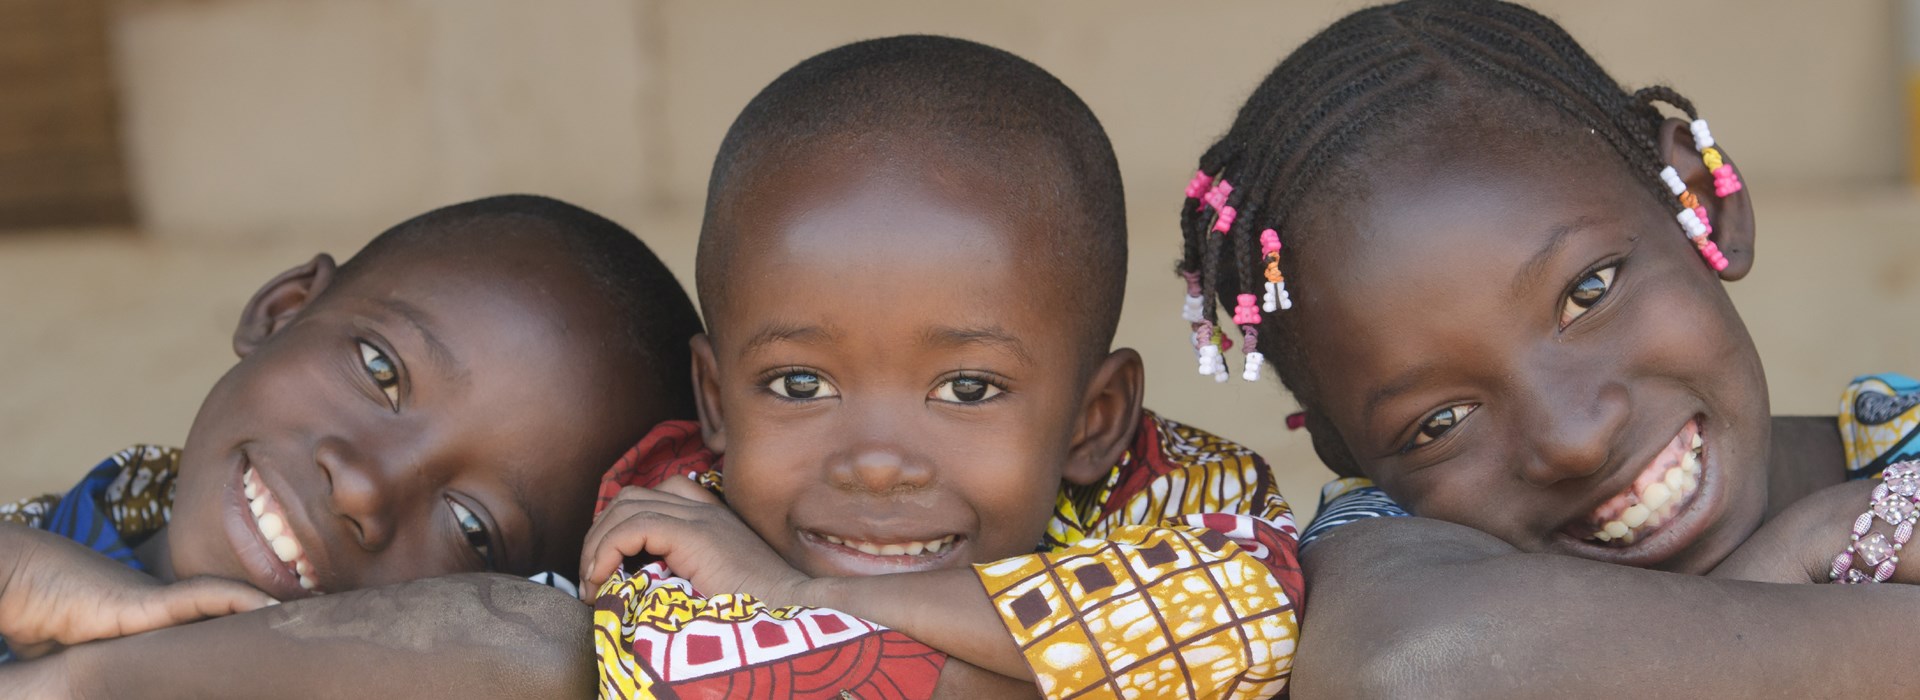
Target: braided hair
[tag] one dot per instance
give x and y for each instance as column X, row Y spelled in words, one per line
column 1376, row 72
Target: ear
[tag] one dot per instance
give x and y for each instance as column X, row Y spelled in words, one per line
column 1109, row 418
column 706, row 395
column 280, row 301
column 1732, row 216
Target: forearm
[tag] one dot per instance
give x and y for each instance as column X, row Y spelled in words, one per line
column 947, row 610
column 1411, row 608
column 468, row 635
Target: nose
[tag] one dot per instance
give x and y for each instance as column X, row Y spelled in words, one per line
column 1575, row 429
column 879, row 468
column 358, row 491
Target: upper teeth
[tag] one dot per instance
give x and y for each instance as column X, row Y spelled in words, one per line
column 272, row 522
column 893, row 549
column 1651, row 505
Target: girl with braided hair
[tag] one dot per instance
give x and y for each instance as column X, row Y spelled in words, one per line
column 1493, row 278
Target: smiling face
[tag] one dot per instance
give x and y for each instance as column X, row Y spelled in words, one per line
column 433, row 414
column 1531, row 348
column 892, row 375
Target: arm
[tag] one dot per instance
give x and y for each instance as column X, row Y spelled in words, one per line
column 947, row 610
column 478, row 635
column 1411, row 607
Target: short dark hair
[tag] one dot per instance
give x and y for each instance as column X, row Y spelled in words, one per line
column 1387, row 76
column 991, row 107
column 654, row 319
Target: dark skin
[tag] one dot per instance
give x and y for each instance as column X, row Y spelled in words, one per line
column 1448, row 301
column 887, row 367
column 370, row 408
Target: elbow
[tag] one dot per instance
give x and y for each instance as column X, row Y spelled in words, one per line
column 1431, row 657
column 546, row 649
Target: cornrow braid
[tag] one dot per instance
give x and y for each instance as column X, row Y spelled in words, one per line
column 1367, row 73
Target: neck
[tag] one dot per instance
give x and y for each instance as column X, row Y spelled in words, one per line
column 1806, row 456
column 155, row 555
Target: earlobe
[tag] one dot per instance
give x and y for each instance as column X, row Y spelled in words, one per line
column 279, row 301
column 1109, row 418
column 706, row 394
column 1731, row 216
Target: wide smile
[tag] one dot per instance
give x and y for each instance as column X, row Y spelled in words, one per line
column 873, row 555
column 264, row 538
column 1654, row 516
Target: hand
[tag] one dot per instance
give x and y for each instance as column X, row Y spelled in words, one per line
column 1798, row 544
column 59, row 593
column 700, row 539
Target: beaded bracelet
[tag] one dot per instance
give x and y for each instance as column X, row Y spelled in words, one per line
column 1897, row 501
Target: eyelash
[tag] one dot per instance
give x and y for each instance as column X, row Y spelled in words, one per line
column 1455, row 413
column 474, row 531
column 1571, row 310
column 991, row 390
column 376, row 363
column 780, row 383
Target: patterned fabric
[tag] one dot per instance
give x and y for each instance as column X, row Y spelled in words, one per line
column 1184, row 581
column 1879, row 425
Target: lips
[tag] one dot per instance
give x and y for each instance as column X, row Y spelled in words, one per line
column 873, row 555
column 1660, row 491
column 270, row 521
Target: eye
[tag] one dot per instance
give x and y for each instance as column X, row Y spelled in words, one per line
column 801, row 384
column 964, row 389
column 1589, row 291
column 1439, row 423
column 474, row 531
column 381, row 370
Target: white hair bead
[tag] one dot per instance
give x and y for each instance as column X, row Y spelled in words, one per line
column 1691, row 223
column 1672, row 178
column 1193, row 308
column 1252, row 373
column 1210, row 362
column 1702, row 137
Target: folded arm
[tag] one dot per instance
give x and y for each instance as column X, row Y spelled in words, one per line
column 1411, row 607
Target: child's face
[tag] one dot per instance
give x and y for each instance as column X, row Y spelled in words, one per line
column 1528, row 347
column 890, row 376
column 437, row 414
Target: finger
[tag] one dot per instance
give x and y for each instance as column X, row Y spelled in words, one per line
column 613, row 541
column 186, row 601
column 690, row 490
column 665, row 494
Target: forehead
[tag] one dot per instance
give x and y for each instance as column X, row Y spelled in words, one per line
column 863, row 236
column 1452, row 257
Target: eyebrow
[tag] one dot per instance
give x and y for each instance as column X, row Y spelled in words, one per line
column 782, row 332
column 1400, row 384
column 438, row 352
column 1557, row 238
column 982, row 336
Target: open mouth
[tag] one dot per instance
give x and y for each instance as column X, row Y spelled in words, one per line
column 270, row 521
column 1661, row 490
column 910, row 548
column 868, row 557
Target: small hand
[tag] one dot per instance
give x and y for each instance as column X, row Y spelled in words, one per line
column 60, row 593
column 700, row 539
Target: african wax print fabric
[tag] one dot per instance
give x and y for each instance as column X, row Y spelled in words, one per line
column 1879, row 425
column 121, row 502
column 1178, row 576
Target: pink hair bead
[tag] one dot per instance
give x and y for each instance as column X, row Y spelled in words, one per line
column 1711, row 252
column 1247, row 311
column 1269, row 242
column 1197, row 187
column 1224, row 220
column 1217, row 197
column 1725, row 181
column 1702, row 213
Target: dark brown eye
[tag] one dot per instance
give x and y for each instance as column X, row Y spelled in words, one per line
column 381, row 370
column 1440, row 422
column 800, row 385
column 1589, row 291
column 966, row 390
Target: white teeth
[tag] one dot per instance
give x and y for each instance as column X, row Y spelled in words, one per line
column 1655, row 496
column 271, row 526
column 285, row 548
column 252, row 490
column 306, row 582
column 1616, row 529
column 1635, row 515
column 303, row 568
column 892, row 550
column 910, row 549
column 915, row 548
column 1696, row 443
column 257, row 506
column 835, row 540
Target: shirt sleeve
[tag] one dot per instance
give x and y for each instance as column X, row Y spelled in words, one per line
column 1344, row 501
column 1879, row 423
column 656, row 637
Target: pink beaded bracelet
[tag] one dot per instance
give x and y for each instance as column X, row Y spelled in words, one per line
column 1897, row 501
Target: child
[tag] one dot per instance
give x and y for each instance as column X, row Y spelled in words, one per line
column 1504, row 279
column 443, row 402
column 912, row 260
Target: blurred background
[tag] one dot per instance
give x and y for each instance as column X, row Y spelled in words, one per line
column 160, row 159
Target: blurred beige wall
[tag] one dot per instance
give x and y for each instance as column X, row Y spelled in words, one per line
column 261, row 131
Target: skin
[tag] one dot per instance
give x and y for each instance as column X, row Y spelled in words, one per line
column 885, row 286
column 503, row 391
column 1483, row 594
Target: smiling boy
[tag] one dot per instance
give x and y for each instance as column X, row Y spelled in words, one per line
column 913, row 262
column 442, row 403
